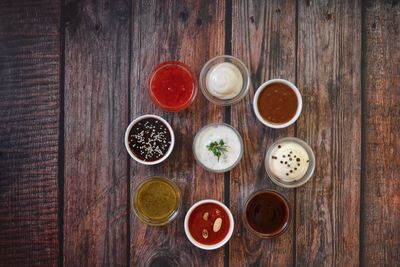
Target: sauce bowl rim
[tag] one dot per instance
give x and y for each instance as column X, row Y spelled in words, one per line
column 224, row 240
column 169, row 151
column 240, row 140
column 299, row 105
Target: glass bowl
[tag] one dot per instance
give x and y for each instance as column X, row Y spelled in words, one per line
column 163, row 66
column 159, row 221
column 243, row 70
column 311, row 167
column 284, row 227
column 197, row 136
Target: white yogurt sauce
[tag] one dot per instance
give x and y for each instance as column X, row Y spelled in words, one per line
column 214, row 133
column 289, row 161
column 224, row 80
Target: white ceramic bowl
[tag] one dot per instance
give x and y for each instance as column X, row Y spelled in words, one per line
column 278, row 125
column 223, row 241
column 171, row 147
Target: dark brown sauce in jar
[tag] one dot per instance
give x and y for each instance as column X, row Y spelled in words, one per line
column 267, row 213
column 277, row 103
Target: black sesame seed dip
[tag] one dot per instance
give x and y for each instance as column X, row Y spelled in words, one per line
column 149, row 139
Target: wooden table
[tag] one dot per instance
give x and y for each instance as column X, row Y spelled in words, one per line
column 74, row 74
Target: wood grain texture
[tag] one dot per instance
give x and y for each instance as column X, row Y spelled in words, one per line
column 96, row 114
column 328, row 206
column 263, row 36
column 381, row 77
column 29, row 120
column 192, row 32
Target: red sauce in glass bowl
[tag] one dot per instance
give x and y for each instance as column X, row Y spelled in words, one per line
column 197, row 223
column 172, row 86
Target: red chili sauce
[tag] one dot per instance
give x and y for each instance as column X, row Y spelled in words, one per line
column 197, row 224
column 172, row 86
column 277, row 103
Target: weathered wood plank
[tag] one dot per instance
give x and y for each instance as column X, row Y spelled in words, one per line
column 264, row 37
column 192, row 32
column 381, row 78
column 96, row 114
column 328, row 207
column 29, row 120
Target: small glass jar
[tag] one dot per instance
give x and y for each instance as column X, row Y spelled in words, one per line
column 285, row 224
column 196, row 141
column 180, row 79
column 245, row 76
column 143, row 201
column 311, row 167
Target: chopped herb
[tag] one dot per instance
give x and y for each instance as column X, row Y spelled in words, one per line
column 217, row 148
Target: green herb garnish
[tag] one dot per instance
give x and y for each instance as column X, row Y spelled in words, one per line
column 217, row 148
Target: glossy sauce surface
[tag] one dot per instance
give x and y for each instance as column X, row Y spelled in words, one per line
column 149, row 139
column 197, row 223
column 172, row 86
column 267, row 213
column 157, row 199
column 277, row 103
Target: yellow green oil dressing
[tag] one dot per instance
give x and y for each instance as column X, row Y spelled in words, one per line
column 157, row 199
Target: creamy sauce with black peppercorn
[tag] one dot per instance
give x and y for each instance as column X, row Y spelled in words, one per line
column 149, row 139
column 289, row 161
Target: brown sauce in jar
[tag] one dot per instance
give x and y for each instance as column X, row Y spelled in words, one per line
column 277, row 103
column 267, row 213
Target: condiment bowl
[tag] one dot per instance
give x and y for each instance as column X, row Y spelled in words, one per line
column 281, row 201
column 307, row 176
column 197, row 140
column 213, row 246
column 136, row 202
column 171, row 147
column 162, row 67
column 243, row 70
column 271, row 124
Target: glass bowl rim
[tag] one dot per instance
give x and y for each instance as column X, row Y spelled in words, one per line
column 224, row 102
column 218, row 124
column 172, row 216
column 185, row 68
column 287, row 223
column 307, row 176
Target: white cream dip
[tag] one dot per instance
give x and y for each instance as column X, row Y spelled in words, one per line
column 224, row 80
column 289, row 161
column 215, row 133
